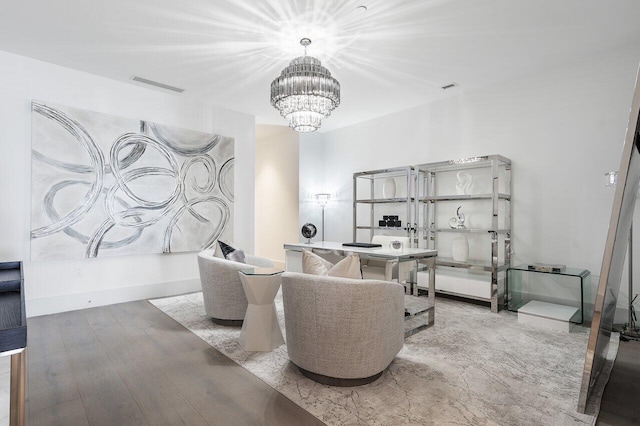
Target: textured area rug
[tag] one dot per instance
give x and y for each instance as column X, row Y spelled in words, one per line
column 471, row 368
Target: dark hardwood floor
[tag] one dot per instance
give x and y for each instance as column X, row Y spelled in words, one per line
column 621, row 399
column 130, row 364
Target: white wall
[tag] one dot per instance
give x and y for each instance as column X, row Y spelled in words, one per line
column 276, row 203
column 562, row 128
column 312, row 182
column 56, row 286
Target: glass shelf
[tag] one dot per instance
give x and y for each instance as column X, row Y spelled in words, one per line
column 501, row 196
column 477, row 265
column 468, row 230
column 464, row 163
column 384, row 200
column 571, row 272
column 389, row 228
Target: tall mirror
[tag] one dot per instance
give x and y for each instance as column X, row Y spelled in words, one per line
column 613, row 259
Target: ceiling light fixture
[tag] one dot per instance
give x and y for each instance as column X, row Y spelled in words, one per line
column 305, row 92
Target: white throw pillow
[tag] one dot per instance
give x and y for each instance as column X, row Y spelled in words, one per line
column 314, row 264
column 349, row 267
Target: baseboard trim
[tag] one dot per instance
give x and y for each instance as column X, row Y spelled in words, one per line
column 73, row 302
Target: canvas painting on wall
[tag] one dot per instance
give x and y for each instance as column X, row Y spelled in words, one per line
column 103, row 185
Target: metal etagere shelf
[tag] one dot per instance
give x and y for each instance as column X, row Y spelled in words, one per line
column 368, row 196
column 426, row 195
column 492, row 205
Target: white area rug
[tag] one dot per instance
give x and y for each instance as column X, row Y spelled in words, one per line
column 471, row 368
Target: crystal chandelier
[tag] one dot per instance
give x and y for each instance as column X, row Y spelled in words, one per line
column 305, row 92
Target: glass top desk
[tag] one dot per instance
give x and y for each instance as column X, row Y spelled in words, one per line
column 526, row 285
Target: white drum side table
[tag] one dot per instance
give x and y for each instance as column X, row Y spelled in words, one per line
column 260, row 329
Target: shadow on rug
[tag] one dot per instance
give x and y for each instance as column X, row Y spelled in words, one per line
column 472, row 367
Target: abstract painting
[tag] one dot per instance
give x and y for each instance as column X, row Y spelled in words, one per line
column 103, row 185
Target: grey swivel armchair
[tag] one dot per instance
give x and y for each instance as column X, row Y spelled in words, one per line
column 224, row 299
column 341, row 331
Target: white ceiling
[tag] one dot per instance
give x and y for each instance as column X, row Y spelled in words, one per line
column 394, row 56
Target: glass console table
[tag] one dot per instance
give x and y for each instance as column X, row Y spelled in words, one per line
column 562, row 288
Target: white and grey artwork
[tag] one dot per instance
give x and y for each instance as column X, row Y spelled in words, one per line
column 103, row 185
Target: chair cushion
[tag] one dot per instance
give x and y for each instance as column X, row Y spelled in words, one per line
column 349, row 267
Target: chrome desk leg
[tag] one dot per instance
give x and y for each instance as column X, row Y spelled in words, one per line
column 414, row 278
column 431, row 265
column 16, row 412
column 411, row 286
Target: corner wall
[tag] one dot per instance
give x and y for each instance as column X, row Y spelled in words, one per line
column 276, row 190
column 66, row 285
column 562, row 128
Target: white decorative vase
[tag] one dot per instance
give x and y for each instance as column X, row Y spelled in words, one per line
column 389, row 188
column 460, row 249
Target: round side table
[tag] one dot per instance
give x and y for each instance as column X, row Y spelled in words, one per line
column 260, row 329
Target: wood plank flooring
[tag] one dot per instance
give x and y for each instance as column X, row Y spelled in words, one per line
column 621, row 399
column 130, row 364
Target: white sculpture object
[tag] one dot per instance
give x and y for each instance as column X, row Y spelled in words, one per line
column 458, row 220
column 460, row 244
column 465, row 180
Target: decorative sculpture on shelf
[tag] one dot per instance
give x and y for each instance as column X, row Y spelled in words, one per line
column 460, row 244
column 458, row 220
column 465, row 180
column 395, row 245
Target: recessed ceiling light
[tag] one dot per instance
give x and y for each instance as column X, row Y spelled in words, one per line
column 449, row 86
column 156, row 84
column 362, row 8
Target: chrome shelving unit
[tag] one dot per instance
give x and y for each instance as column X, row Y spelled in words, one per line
column 492, row 203
column 367, row 193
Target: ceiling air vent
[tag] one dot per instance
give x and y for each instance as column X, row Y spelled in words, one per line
column 449, row 86
column 156, row 84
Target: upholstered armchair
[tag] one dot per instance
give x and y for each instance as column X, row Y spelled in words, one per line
column 341, row 331
column 384, row 270
column 224, row 299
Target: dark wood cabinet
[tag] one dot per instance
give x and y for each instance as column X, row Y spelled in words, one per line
column 13, row 333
